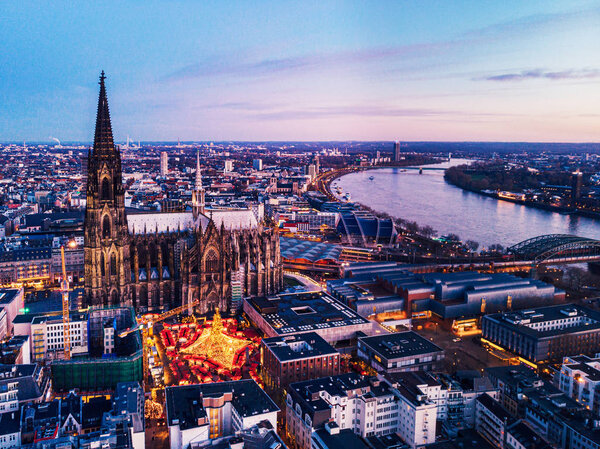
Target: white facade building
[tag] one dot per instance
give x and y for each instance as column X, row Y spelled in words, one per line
column 367, row 405
column 197, row 414
column 46, row 334
column 579, row 377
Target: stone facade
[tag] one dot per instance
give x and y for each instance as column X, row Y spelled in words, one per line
column 155, row 270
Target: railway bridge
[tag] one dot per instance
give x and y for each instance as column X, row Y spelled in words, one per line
column 556, row 248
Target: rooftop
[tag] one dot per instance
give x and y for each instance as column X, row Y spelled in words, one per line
column 184, row 403
column 7, row 295
column 574, row 318
column 400, row 344
column 494, row 407
column 308, row 250
column 55, row 319
column 304, row 312
column 300, row 346
column 588, row 366
column 346, row 438
column 307, row 393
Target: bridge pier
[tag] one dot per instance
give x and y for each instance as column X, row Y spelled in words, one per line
column 533, row 272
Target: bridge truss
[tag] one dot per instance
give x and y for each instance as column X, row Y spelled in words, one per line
column 556, row 247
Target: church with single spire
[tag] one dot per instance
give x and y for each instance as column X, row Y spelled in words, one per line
column 155, row 261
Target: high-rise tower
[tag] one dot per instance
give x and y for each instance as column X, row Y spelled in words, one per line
column 164, row 164
column 396, row 151
column 106, row 247
column 576, row 183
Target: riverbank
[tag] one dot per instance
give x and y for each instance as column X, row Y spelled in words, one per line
column 324, row 184
column 547, row 207
column 428, row 199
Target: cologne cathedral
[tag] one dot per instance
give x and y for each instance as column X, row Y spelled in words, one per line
column 155, row 261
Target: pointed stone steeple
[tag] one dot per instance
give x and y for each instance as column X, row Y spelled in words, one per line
column 103, row 137
column 105, row 226
column 198, row 183
column 198, row 191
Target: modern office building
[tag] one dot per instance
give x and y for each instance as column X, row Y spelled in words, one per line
column 396, row 151
column 295, row 358
column 579, row 377
column 257, row 164
column 299, row 313
column 546, row 333
column 197, row 414
column 399, row 352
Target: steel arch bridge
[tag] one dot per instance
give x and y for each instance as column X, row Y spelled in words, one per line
column 556, row 248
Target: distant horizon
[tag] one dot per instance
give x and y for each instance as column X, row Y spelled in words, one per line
column 313, row 71
column 203, row 142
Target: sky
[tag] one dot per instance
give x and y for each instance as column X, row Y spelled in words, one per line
column 285, row 70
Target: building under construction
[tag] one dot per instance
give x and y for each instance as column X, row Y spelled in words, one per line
column 111, row 359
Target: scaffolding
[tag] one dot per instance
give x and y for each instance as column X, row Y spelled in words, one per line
column 97, row 372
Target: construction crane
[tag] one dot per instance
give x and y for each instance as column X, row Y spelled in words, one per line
column 150, row 322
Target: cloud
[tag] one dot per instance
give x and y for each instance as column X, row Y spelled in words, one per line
column 265, row 112
column 523, row 75
column 233, row 66
column 225, row 66
column 531, row 23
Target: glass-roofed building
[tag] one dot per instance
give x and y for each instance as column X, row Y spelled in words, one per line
column 363, row 228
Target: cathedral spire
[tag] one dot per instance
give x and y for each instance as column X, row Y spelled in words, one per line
column 198, row 191
column 103, row 137
column 198, row 184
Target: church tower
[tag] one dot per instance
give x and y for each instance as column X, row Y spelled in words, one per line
column 198, row 192
column 106, row 247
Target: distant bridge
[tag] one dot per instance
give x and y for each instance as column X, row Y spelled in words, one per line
column 424, row 168
column 556, row 248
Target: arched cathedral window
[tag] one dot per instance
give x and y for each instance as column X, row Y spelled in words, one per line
column 106, row 227
column 105, row 189
column 211, row 262
column 102, row 266
column 113, row 264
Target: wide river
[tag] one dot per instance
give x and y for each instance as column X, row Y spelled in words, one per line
column 429, row 200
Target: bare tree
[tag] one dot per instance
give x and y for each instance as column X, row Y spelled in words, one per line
column 472, row 245
column 428, row 231
column 453, row 237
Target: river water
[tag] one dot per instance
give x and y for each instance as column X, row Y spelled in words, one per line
column 429, row 200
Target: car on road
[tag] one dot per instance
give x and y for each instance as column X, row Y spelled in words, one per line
column 456, row 340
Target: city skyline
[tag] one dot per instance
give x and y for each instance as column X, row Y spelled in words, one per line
column 305, row 72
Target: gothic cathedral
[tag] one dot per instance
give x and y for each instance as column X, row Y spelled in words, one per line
column 170, row 259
